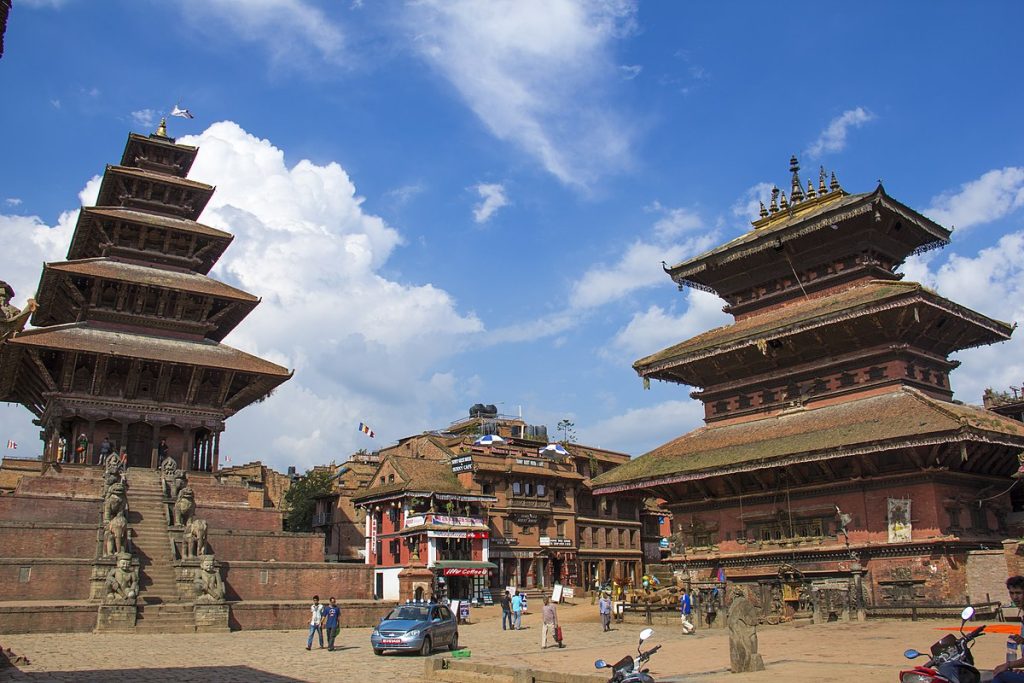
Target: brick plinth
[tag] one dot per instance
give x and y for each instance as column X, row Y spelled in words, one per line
column 48, row 617
column 212, row 617
column 285, row 581
column 44, row 579
column 36, row 539
column 116, row 618
column 253, row 546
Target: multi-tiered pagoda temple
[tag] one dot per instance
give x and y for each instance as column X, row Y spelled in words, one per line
column 833, row 451
column 128, row 329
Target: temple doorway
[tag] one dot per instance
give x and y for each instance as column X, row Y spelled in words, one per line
column 140, row 445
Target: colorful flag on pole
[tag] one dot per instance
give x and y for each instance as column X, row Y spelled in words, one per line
column 365, row 429
column 11, row 444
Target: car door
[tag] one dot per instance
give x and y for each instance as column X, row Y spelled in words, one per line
column 447, row 625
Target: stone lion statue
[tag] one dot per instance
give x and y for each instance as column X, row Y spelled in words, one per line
column 193, row 540
column 115, row 502
column 122, row 582
column 117, row 534
column 184, row 506
column 208, row 584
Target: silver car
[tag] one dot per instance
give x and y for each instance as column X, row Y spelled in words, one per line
column 416, row 626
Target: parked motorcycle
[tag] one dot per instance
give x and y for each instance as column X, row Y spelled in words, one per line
column 951, row 659
column 629, row 670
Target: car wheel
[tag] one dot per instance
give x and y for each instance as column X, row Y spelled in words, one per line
column 454, row 645
column 426, row 648
column 378, row 652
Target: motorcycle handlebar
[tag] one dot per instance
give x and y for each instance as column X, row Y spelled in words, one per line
column 975, row 633
column 650, row 652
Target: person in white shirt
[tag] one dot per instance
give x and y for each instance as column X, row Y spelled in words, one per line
column 316, row 622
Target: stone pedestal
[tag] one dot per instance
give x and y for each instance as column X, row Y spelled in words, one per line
column 115, row 618
column 185, row 576
column 415, row 578
column 212, row 617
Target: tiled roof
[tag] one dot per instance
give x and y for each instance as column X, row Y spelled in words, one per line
column 133, row 216
column 146, row 275
column 874, row 422
column 792, row 316
column 205, row 353
column 159, row 177
column 418, row 474
column 806, row 222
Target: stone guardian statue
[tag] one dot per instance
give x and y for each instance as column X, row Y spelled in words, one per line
column 742, row 622
column 208, row 584
column 184, row 506
column 193, row 540
column 122, row 582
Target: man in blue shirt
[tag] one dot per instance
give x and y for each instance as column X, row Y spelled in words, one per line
column 332, row 616
column 685, row 608
column 517, row 610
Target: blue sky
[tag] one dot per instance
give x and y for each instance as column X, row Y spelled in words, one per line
column 445, row 203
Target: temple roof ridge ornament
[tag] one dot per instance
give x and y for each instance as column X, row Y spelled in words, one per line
column 800, row 201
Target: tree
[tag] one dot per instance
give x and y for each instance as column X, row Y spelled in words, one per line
column 300, row 499
column 568, row 433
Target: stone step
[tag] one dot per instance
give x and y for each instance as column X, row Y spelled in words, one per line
column 165, row 628
column 456, row 676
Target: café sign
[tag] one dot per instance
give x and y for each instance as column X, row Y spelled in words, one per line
column 462, row 464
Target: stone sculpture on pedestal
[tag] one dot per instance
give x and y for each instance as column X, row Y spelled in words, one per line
column 184, row 506
column 122, row 582
column 193, row 539
column 116, row 501
column 208, row 584
column 116, row 537
column 742, row 623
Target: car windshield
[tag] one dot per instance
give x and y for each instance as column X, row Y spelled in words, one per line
column 407, row 612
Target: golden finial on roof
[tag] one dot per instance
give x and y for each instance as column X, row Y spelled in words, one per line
column 161, row 130
column 796, row 192
column 821, row 181
column 763, row 212
column 810, row 189
column 773, row 205
column 783, row 204
column 834, row 184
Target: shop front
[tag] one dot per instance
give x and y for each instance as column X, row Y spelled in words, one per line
column 463, row 580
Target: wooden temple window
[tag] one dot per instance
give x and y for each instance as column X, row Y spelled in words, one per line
column 876, row 372
column 83, row 374
column 768, row 396
column 147, row 380
column 911, row 371
column 820, row 386
column 979, row 520
column 744, row 401
column 847, row 379
column 721, row 407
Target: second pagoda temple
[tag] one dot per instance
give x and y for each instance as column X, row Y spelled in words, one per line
column 834, row 471
column 126, row 352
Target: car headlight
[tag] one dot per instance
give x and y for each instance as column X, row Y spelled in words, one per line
column 411, row 634
column 375, row 633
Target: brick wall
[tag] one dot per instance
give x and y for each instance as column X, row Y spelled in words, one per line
column 261, row 546
column 215, row 494
column 241, row 518
column 45, row 509
column 47, row 580
column 48, row 618
column 60, row 486
column 295, row 615
column 986, row 575
column 297, row 581
column 31, row 539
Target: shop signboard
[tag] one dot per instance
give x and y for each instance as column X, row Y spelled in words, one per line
column 465, row 571
column 415, row 520
column 457, row 521
column 457, row 534
column 524, row 517
column 555, row 542
column 502, row 540
column 462, row 464
column 528, row 462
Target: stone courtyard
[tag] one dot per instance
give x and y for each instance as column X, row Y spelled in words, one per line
column 795, row 653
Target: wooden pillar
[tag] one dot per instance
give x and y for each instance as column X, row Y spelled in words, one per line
column 92, row 442
column 155, row 442
column 186, row 449
column 216, row 451
column 124, row 438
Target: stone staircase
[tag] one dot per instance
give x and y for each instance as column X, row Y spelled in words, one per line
column 160, row 609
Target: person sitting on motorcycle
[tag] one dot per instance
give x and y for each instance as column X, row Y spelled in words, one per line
column 1004, row 673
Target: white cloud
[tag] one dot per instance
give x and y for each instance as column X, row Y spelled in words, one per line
column 991, row 283
column 144, row 118
column 401, row 196
column 364, row 348
column 12, row 201
column 995, row 194
column 630, row 71
column 833, row 138
column 639, row 266
column 55, row 103
column 654, row 329
column 748, row 206
column 294, row 32
column 493, row 196
column 536, row 73
column 640, row 430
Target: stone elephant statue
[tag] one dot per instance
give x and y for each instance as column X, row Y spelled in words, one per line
column 193, row 540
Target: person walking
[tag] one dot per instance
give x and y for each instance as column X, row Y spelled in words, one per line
column 685, row 609
column 1004, row 673
column 517, row 611
column 549, row 623
column 316, row 622
column 506, row 611
column 604, row 608
column 332, row 618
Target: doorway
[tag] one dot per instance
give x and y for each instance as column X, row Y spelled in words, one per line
column 140, row 445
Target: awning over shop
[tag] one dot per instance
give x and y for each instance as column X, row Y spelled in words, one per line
column 463, row 567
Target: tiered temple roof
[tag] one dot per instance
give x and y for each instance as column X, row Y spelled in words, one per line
column 129, row 327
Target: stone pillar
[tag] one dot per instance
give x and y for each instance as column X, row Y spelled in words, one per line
column 92, row 442
column 858, row 586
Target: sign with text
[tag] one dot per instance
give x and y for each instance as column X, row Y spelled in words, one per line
column 500, row 540
column 555, row 542
column 524, row 518
column 457, row 534
column 465, row 571
column 457, row 521
column 415, row 520
column 462, row 464
column 528, row 462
